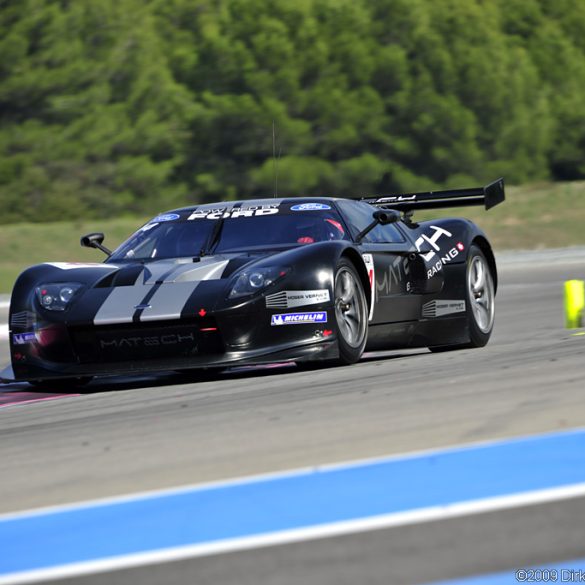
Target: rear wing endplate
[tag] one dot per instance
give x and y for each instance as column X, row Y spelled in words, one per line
column 488, row 196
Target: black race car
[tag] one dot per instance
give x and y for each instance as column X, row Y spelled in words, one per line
column 249, row 282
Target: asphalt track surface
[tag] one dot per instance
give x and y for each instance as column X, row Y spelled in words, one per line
column 123, row 436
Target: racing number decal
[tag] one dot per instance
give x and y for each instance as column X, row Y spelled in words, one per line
column 369, row 262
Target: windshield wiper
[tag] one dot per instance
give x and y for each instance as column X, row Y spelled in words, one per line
column 213, row 239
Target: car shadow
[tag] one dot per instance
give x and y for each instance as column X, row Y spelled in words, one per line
column 161, row 379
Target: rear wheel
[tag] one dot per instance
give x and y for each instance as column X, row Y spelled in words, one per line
column 351, row 313
column 481, row 298
column 480, row 309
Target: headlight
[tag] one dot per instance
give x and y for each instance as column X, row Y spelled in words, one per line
column 252, row 281
column 56, row 297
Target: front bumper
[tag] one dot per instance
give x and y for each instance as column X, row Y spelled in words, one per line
column 217, row 341
column 324, row 349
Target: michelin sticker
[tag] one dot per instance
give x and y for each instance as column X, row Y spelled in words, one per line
column 289, row 299
column 23, row 338
column 298, row 318
column 310, row 207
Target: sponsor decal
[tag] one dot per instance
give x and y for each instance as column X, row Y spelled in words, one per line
column 23, row 338
column 165, row 217
column 147, row 341
column 396, row 199
column 369, row 262
column 434, row 309
column 298, row 318
column 438, row 266
column 432, row 240
column 289, row 299
column 391, row 278
column 310, row 207
column 323, row 333
column 444, row 258
column 23, row 320
column 224, row 212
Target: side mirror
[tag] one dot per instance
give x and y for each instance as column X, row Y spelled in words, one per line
column 380, row 216
column 386, row 216
column 94, row 240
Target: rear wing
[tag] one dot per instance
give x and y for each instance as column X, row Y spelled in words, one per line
column 488, row 196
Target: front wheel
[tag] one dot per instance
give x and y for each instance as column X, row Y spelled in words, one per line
column 351, row 313
column 480, row 299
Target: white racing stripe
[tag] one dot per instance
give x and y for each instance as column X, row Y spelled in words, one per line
column 168, row 301
column 420, row 516
column 164, row 272
column 120, row 305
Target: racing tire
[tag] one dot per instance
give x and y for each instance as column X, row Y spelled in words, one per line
column 480, row 299
column 351, row 313
column 351, row 319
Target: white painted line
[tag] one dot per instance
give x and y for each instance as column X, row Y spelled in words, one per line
column 420, row 516
column 3, row 331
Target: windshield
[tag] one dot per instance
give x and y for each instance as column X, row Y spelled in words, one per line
column 183, row 237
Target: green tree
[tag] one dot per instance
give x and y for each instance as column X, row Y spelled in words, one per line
column 92, row 120
column 132, row 106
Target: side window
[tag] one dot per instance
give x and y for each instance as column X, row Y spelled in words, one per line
column 358, row 215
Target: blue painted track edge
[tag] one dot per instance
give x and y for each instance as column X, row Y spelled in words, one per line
column 285, row 474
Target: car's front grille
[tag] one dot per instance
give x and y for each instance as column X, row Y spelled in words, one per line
column 144, row 341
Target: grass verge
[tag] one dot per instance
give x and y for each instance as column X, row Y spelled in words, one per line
column 537, row 216
column 25, row 244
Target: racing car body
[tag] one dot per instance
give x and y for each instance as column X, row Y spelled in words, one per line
column 249, row 282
